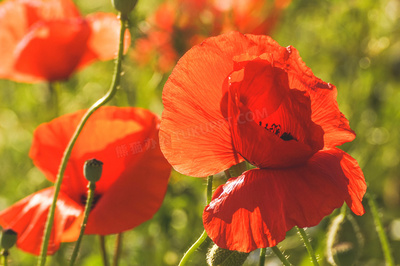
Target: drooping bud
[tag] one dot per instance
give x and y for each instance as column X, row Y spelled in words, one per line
column 8, row 239
column 344, row 253
column 92, row 170
column 345, row 242
column 217, row 256
column 124, row 6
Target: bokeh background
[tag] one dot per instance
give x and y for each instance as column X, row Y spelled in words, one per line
column 354, row 45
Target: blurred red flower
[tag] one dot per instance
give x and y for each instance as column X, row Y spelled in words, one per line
column 243, row 97
column 178, row 25
column 132, row 187
column 49, row 40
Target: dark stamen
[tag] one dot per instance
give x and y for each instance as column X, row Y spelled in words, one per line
column 276, row 129
column 94, row 201
column 287, row 136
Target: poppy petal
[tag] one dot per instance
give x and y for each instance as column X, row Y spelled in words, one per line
column 269, row 116
column 46, row 10
column 48, row 40
column 256, row 209
column 194, row 134
column 326, row 113
column 52, row 50
column 16, row 18
column 13, row 24
column 137, row 194
column 28, row 217
column 325, row 110
column 263, row 148
column 194, row 125
column 104, row 38
column 116, row 136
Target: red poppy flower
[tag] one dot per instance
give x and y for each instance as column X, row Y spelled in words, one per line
column 132, row 187
column 49, row 39
column 243, row 97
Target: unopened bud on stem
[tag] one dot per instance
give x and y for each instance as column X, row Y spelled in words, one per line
column 92, row 170
column 8, row 239
column 124, row 6
column 217, row 256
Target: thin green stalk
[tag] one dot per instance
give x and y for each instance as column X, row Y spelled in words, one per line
column 280, row 255
column 103, row 250
column 263, row 251
column 117, row 251
column 203, row 236
column 209, row 188
column 53, row 99
column 67, row 153
column 4, row 254
column 307, row 243
column 92, row 187
column 193, row 248
column 381, row 232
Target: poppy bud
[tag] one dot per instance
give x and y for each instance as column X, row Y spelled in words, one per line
column 92, row 170
column 344, row 241
column 124, row 6
column 217, row 256
column 8, row 239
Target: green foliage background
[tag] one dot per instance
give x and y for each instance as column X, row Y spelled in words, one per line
column 354, row 45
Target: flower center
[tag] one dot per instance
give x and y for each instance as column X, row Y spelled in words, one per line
column 94, row 201
column 276, row 129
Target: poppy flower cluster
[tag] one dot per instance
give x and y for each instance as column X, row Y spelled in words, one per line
column 47, row 40
column 178, row 25
column 236, row 98
column 132, row 187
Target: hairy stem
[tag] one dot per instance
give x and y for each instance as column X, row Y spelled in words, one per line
column 281, row 256
column 117, row 251
column 88, row 206
column 381, row 232
column 67, row 153
column 307, row 243
column 262, row 256
column 103, row 250
column 203, row 236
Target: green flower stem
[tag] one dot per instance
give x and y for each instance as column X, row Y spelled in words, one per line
column 307, row 243
column 381, row 232
column 262, row 256
column 92, row 187
column 118, row 248
column 203, row 236
column 67, row 153
column 193, row 248
column 103, row 250
column 53, row 98
column 280, row 255
column 4, row 254
column 209, row 188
